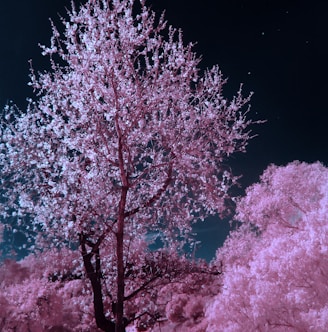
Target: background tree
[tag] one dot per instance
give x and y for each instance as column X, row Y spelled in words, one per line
column 275, row 279
column 127, row 138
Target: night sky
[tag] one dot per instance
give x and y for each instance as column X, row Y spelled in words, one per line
column 278, row 49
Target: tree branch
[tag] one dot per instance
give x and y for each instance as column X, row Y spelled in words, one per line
column 156, row 196
column 142, row 287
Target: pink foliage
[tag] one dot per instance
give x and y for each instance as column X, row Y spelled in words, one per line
column 187, row 298
column 285, row 196
column 37, row 294
column 185, row 308
column 276, row 279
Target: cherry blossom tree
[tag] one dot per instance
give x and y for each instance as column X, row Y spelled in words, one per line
column 126, row 139
column 276, row 264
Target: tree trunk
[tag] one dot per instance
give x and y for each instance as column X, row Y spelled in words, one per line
column 93, row 273
column 120, row 285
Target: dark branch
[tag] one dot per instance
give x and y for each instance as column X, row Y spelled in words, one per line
column 154, row 198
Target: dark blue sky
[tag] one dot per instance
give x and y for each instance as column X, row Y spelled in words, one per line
column 278, row 49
